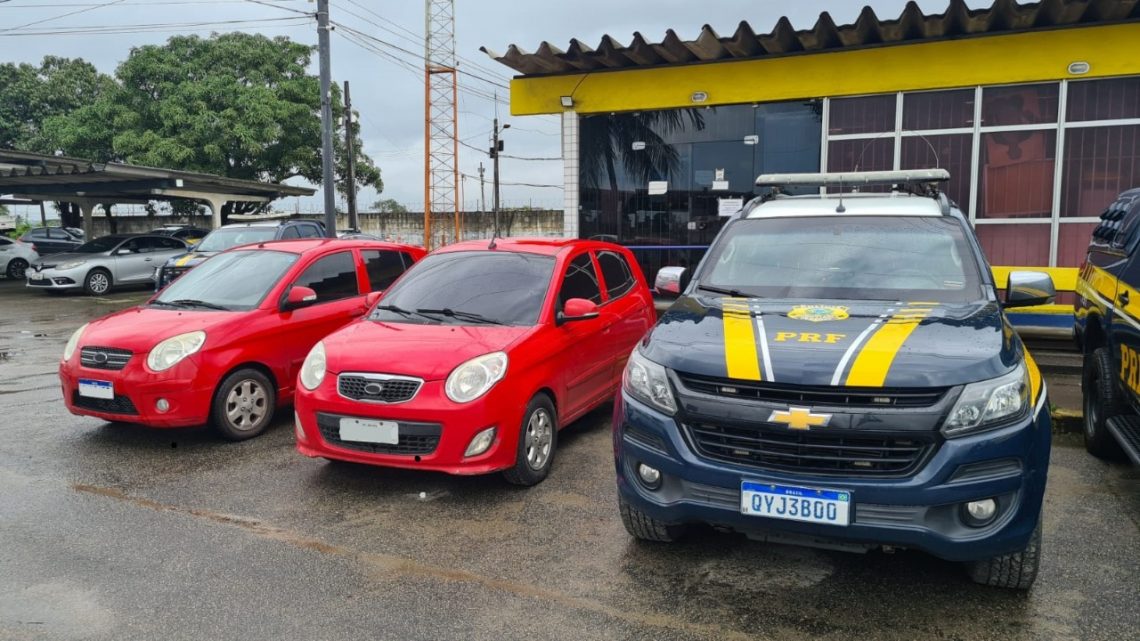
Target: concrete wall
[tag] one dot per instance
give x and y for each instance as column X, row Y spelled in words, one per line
column 405, row 227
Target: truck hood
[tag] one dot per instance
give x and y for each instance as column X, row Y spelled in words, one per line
column 837, row 343
column 429, row 352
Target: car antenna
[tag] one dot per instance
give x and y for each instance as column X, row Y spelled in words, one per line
column 840, row 209
column 495, row 233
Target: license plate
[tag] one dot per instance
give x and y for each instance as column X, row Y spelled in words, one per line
column 365, row 431
column 35, row 276
column 809, row 505
column 96, row 389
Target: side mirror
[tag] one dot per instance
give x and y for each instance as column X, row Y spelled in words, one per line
column 298, row 297
column 576, row 309
column 1026, row 289
column 371, row 299
column 671, row 281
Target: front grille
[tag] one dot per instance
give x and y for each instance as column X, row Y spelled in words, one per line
column 110, row 358
column 813, row 395
column 117, row 405
column 415, row 438
column 831, row 452
column 378, row 388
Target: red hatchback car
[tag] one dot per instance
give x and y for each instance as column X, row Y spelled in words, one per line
column 223, row 344
column 476, row 357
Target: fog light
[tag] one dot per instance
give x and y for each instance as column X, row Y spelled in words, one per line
column 298, row 431
column 650, row 476
column 979, row 513
column 162, row 405
column 481, row 443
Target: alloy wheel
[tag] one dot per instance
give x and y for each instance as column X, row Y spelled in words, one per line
column 539, row 438
column 246, row 405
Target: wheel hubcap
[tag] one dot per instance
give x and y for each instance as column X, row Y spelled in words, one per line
column 99, row 283
column 539, row 438
column 1091, row 413
column 246, row 405
column 17, row 269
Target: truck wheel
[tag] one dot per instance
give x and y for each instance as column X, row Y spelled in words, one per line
column 1101, row 400
column 538, row 437
column 1015, row 571
column 98, row 282
column 642, row 526
column 243, row 405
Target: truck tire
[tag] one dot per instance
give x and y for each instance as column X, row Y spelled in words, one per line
column 642, row 526
column 1016, row 571
column 1101, row 401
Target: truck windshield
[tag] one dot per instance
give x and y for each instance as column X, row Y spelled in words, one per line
column 222, row 239
column 852, row 258
column 237, row 280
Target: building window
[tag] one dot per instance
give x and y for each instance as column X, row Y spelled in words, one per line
column 1026, row 244
column 952, row 152
column 1073, row 243
column 861, row 154
column 1110, row 99
column 1020, row 105
column 1100, row 162
column 863, row 115
column 938, row 110
column 1015, row 179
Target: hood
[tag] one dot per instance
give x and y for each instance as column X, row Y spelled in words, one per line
column 840, row 343
column 121, row 329
column 429, row 352
column 67, row 257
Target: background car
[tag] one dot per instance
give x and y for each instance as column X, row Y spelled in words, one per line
column 15, row 256
column 230, row 236
column 223, row 344
column 475, row 359
column 182, row 232
column 51, row 240
column 99, row 265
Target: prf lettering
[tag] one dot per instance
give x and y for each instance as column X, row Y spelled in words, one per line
column 801, row 337
column 1130, row 368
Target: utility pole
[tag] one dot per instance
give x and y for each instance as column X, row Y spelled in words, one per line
column 350, row 149
column 496, row 147
column 327, row 158
column 482, row 191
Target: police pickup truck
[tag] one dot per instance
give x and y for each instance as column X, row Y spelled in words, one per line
column 838, row 371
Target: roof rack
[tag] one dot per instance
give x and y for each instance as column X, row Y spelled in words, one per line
column 855, row 178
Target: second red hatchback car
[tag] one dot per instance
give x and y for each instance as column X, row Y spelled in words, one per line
column 475, row 359
column 223, row 344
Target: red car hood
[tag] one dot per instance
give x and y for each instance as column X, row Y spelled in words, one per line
column 141, row 328
column 429, row 352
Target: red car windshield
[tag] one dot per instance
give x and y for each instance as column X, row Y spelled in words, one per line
column 235, row 281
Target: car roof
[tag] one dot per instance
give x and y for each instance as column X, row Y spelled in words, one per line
column 854, row 204
column 545, row 246
column 306, row 245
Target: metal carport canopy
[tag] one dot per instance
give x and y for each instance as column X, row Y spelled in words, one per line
column 42, row 177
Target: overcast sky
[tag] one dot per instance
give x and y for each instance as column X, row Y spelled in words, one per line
column 389, row 96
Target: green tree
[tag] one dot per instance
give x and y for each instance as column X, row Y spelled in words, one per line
column 238, row 105
column 389, row 206
column 31, row 95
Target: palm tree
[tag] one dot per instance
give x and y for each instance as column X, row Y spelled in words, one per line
column 604, row 137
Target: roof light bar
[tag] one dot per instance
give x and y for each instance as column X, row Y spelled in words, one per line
column 855, row 178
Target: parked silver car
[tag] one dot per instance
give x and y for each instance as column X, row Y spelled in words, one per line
column 106, row 262
column 15, row 256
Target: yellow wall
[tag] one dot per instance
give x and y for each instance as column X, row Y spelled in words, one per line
column 1037, row 56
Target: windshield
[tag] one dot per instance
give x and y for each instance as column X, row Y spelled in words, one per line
column 99, row 245
column 479, row 287
column 220, row 240
column 235, row 281
column 864, row 257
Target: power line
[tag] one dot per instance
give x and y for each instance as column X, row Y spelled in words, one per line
column 63, row 15
column 156, row 27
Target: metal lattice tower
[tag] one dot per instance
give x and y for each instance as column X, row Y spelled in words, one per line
column 441, row 125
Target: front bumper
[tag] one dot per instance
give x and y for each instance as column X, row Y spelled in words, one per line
column 919, row 511
column 137, row 392
column 434, row 431
column 58, row 279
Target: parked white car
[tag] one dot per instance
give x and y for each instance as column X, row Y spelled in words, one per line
column 15, row 256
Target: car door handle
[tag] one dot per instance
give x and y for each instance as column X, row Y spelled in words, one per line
column 1122, row 298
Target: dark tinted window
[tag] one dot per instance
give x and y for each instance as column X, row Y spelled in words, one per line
column 237, row 280
column 504, row 287
column 616, row 273
column 290, row 233
column 310, row 231
column 4, row 242
column 99, row 245
column 383, row 267
column 580, row 281
column 332, row 277
column 222, row 239
column 36, row 233
column 164, row 244
column 58, row 234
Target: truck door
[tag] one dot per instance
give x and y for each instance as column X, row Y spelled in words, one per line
column 1124, row 324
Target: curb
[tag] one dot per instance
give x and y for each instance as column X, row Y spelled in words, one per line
column 1067, row 421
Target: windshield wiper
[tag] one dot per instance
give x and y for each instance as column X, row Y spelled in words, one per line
column 407, row 313
column 735, row 293
column 468, row 316
column 193, row 302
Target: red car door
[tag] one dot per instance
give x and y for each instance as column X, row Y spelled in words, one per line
column 628, row 308
column 586, row 362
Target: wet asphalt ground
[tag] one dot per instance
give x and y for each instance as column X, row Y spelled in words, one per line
column 117, row 532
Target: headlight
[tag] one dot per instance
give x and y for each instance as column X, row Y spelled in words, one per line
column 73, row 342
column 474, row 378
column 171, row 351
column 988, row 403
column 646, row 381
column 71, row 265
column 314, row 367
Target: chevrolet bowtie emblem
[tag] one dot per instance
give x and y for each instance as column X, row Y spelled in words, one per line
column 799, row 418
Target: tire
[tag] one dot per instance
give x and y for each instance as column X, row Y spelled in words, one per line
column 642, row 526
column 1101, row 401
column 98, row 282
column 243, row 405
column 17, row 268
column 538, row 439
column 1015, row 571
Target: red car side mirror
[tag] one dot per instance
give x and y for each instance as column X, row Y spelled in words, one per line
column 298, row 297
column 577, row 309
column 371, row 299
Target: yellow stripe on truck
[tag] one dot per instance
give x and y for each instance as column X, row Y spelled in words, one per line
column 874, row 360
column 739, row 341
column 185, row 259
